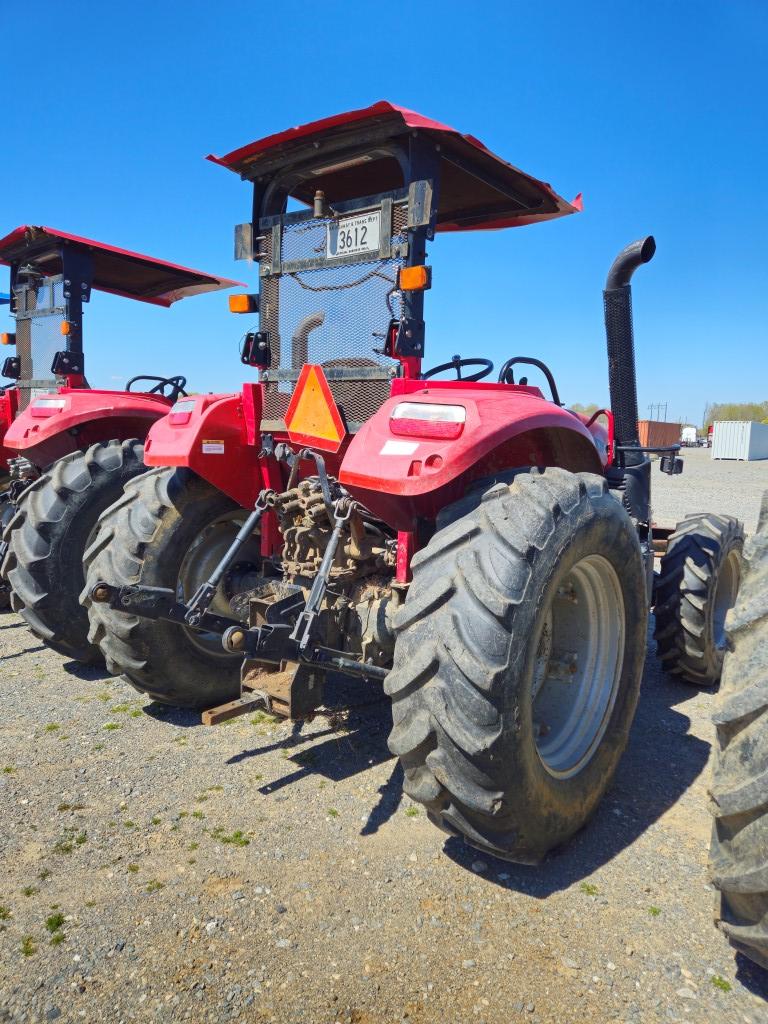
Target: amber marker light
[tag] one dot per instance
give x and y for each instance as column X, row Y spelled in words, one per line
column 242, row 303
column 414, row 279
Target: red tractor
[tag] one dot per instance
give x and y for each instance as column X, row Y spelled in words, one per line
column 470, row 543
column 66, row 448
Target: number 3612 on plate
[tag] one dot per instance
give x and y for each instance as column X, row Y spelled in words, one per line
column 349, row 236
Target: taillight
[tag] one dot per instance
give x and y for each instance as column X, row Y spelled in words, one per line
column 47, row 406
column 181, row 413
column 428, row 419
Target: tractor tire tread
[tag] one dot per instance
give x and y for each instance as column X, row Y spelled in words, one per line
column 31, row 563
column 454, row 635
column 683, row 591
column 739, row 791
column 127, row 530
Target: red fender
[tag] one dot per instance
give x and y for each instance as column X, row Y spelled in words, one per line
column 217, row 437
column 402, row 478
column 45, row 431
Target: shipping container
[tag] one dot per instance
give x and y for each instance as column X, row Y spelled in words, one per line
column 739, row 439
column 658, row 434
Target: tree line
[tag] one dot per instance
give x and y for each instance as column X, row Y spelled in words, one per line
column 754, row 411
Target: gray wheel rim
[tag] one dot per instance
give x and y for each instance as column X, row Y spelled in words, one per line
column 578, row 665
column 201, row 559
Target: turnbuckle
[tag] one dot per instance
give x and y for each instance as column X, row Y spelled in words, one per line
column 303, row 629
column 204, row 594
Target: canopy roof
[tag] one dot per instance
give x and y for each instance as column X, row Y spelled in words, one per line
column 345, row 156
column 118, row 271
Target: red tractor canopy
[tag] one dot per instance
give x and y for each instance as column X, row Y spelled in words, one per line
column 52, row 274
column 477, row 188
column 114, row 270
column 69, row 449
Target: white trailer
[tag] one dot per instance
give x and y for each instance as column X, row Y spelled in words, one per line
column 688, row 436
column 740, row 439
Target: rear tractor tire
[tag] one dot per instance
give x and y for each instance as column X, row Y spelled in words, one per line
column 697, row 585
column 48, row 533
column 518, row 659
column 738, row 859
column 6, row 514
column 170, row 529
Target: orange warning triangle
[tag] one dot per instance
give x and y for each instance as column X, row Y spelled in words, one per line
column 313, row 418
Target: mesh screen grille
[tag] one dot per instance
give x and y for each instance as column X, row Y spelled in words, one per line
column 357, row 302
column 40, row 311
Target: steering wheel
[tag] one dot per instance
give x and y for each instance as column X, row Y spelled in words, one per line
column 456, row 364
column 176, row 385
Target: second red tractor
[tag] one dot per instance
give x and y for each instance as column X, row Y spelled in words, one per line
column 68, row 448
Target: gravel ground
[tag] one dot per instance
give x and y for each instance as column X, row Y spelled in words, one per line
column 731, row 488
column 155, row 869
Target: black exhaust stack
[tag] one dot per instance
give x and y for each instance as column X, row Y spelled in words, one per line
column 617, row 302
column 630, row 473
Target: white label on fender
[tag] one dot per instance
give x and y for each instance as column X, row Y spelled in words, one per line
column 213, row 447
column 399, row 448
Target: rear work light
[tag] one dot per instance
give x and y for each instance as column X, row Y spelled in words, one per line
column 181, row 413
column 428, row 419
column 47, row 406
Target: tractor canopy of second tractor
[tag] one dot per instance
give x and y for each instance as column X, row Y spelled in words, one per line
column 67, row 448
column 52, row 275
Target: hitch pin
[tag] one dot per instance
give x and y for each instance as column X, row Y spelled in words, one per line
column 204, row 594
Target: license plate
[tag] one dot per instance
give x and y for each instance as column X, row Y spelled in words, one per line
column 351, row 236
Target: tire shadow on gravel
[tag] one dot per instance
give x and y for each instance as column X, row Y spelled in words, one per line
column 660, row 763
column 181, row 718
column 752, row 976
column 88, row 673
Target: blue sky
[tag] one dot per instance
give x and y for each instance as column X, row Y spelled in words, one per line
column 655, row 111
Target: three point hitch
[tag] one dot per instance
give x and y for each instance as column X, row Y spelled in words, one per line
column 288, row 621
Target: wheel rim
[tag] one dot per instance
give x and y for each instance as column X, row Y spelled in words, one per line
column 578, row 664
column 207, row 550
column 724, row 597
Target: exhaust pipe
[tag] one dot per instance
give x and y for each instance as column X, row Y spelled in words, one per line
column 622, row 381
column 300, row 339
